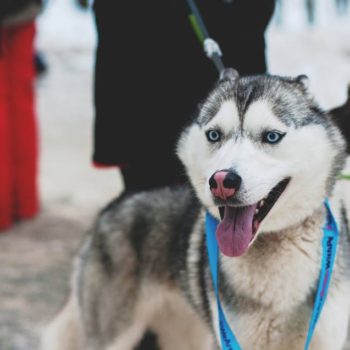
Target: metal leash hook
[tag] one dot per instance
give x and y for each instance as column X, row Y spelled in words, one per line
column 211, row 47
column 213, row 51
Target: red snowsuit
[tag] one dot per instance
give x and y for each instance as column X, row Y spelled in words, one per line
column 18, row 131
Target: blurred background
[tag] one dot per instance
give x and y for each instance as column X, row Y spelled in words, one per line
column 305, row 37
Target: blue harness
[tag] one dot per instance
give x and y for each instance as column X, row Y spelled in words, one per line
column 330, row 240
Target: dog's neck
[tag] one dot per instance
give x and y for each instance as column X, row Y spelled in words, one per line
column 294, row 253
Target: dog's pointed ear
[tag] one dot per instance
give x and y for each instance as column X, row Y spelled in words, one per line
column 228, row 74
column 341, row 116
column 303, row 81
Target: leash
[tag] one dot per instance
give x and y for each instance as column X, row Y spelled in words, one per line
column 211, row 47
column 329, row 245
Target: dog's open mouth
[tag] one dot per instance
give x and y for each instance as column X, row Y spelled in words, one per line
column 239, row 225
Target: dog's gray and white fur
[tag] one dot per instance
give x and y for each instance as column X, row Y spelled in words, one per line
column 144, row 265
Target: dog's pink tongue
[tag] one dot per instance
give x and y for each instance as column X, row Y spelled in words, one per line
column 235, row 231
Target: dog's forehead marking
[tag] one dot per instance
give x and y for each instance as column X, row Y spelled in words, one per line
column 260, row 115
column 227, row 117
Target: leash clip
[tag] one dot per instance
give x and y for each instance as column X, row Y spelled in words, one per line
column 211, row 47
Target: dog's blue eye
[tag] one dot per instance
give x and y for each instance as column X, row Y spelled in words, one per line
column 213, row 135
column 272, row 137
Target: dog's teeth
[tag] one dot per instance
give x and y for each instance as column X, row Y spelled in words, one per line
column 262, row 202
column 256, row 211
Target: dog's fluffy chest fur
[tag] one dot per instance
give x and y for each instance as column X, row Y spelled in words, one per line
column 281, row 269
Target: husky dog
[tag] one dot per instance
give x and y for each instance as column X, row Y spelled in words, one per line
column 261, row 157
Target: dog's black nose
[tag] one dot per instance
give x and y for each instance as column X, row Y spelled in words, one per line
column 212, row 182
column 232, row 180
column 224, row 184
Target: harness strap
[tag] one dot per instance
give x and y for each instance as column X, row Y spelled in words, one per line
column 329, row 244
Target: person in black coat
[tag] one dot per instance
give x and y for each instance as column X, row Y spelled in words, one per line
column 151, row 73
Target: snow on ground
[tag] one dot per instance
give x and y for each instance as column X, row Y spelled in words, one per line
column 66, row 36
column 35, row 256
